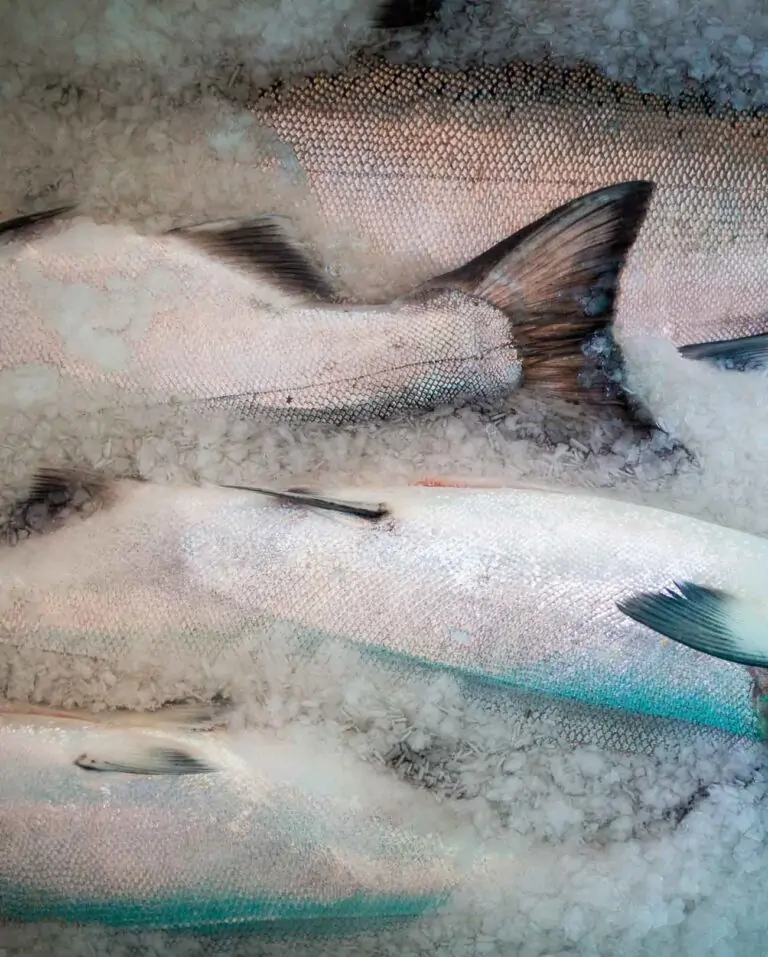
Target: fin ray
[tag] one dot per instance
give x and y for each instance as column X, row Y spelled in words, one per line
column 152, row 760
column 558, row 279
column 705, row 619
column 16, row 227
column 260, row 245
column 311, row 499
column 53, row 484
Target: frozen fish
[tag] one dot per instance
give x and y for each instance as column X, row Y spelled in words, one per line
column 429, row 167
column 164, row 820
column 178, row 318
column 514, row 586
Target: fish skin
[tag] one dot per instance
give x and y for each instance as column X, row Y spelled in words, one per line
column 104, row 307
column 284, row 827
column 428, row 167
column 517, row 586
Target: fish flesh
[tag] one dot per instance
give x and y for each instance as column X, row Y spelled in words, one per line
column 516, row 587
column 164, row 820
column 429, row 167
column 101, row 306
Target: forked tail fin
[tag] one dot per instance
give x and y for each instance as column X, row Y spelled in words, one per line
column 557, row 279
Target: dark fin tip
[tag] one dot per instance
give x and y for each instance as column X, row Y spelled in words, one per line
column 740, row 355
column 625, row 204
column 260, row 246
column 402, row 14
column 309, row 499
column 60, row 486
column 30, row 221
column 53, row 495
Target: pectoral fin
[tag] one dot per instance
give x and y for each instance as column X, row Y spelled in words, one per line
column 57, row 486
column 742, row 355
column 144, row 760
column 21, row 227
column 706, row 619
column 52, row 495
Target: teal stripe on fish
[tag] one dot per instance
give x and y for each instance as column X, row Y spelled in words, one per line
column 640, row 686
column 200, row 914
column 654, row 682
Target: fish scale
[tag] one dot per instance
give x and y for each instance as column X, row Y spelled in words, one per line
column 101, row 310
column 429, row 168
column 515, row 587
column 282, row 834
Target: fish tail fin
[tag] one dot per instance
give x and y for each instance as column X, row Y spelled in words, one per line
column 742, row 355
column 557, row 279
column 706, row 619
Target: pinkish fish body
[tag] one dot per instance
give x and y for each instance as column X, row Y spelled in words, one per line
column 430, row 167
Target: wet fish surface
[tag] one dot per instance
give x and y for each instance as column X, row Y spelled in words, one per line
column 519, row 587
column 237, row 316
column 429, row 167
column 152, row 823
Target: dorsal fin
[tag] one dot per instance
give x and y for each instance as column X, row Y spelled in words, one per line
column 311, row 499
column 261, row 246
